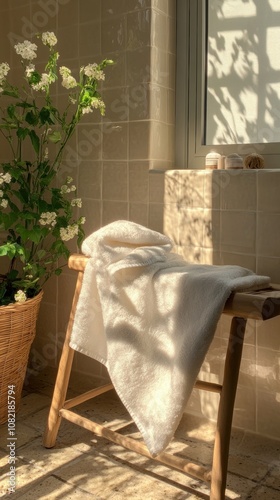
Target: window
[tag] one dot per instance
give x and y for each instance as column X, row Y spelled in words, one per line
column 228, row 79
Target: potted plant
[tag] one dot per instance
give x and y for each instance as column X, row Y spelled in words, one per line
column 38, row 211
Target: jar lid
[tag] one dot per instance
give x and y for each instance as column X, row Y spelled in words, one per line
column 212, row 159
column 234, row 161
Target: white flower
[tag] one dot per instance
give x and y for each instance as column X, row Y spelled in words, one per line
column 49, row 38
column 1, row 193
column 64, row 71
column 29, row 70
column 46, row 154
column 73, row 188
column 82, row 220
column 69, row 82
column 69, row 179
column 5, row 178
column 26, row 50
column 4, row 203
column 96, row 103
column 65, row 189
column 67, row 233
column 76, row 202
column 46, row 79
column 48, row 219
column 20, row 296
column 4, row 69
column 93, row 71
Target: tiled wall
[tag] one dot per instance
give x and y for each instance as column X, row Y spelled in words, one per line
column 233, row 217
column 110, row 158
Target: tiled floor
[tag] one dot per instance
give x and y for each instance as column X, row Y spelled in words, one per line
column 83, row 467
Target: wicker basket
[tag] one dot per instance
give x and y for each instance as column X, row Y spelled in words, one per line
column 17, row 332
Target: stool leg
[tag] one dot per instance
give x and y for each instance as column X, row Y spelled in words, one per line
column 225, row 414
column 63, row 375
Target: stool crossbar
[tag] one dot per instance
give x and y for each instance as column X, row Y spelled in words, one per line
column 259, row 305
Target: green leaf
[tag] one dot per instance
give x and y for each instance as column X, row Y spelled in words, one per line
column 35, row 141
column 22, row 132
column 24, row 105
column 31, row 118
column 11, row 111
column 45, row 116
column 34, row 234
column 55, row 136
column 58, row 272
column 11, row 93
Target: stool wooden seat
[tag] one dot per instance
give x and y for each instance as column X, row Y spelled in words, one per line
column 259, row 305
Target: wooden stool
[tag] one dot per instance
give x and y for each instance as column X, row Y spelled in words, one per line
column 261, row 305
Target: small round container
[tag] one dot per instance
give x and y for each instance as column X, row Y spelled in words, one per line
column 212, row 160
column 233, row 161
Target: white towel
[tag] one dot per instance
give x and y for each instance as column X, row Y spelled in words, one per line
column 149, row 317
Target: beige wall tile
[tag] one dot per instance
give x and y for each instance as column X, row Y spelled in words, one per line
column 115, row 141
column 114, row 210
column 156, row 217
column 238, row 232
column 269, row 266
column 138, row 212
column 268, row 334
column 171, row 221
column 162, row 141
column 159, row 68
column 138, row 29
column 268, row 369
column 172, row 190
column 92, row 212
column 268, row 236
column 68, row 15
column 212, row 189
column 116, row 74
column 210, row 256
column 89, row 179
column 89, row 10
column 90, row 141
column 139, row 140
column 156, row 187
column 138, row 174
column 65, row 34
column 192, row 189
column 90, row 39
column 211, row 229
column 138, row 66
column 191, row 253
column 159, row 34
column 140, row 100
column 240, row 193
column 115, row 181
column 110, row 8
column 118, row 107
column 244, row 415
column 191, row 227
column 239, row 259
column 268, row 414
column 113, row 35
column 268, row 191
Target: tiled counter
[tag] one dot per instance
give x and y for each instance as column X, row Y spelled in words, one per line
column 233, row 217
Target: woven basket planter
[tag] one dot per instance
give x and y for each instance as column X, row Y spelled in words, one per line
column 17, row 332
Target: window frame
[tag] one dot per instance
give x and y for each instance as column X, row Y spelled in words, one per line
column 190, row 95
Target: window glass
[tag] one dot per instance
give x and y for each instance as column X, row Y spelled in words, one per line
column 243, row 72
